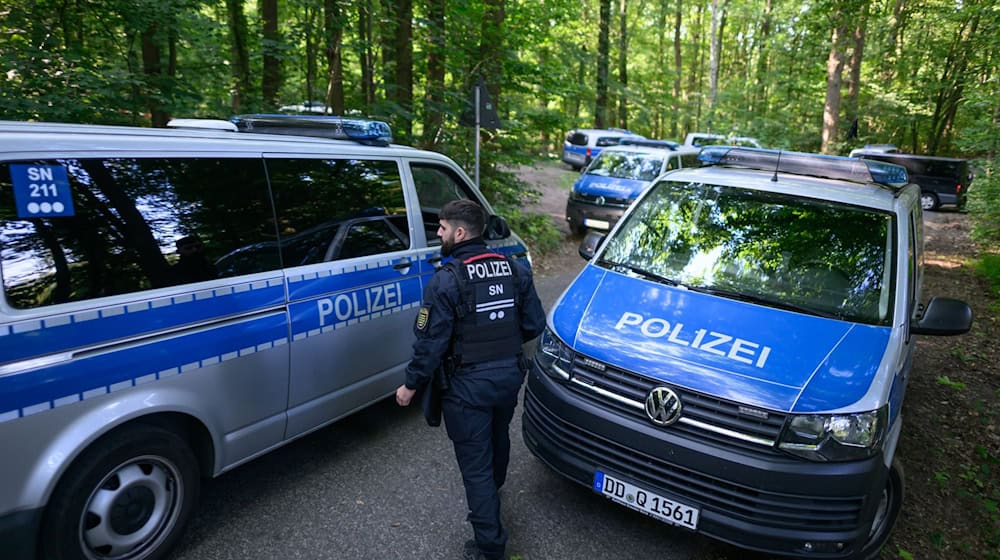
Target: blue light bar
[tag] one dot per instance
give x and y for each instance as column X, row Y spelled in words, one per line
column 813, row 165
column 665, row 144
column 363, row 131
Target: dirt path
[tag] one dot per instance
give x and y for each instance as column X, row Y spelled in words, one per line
column 950, row 445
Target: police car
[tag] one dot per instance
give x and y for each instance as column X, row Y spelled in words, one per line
column 178, row 302
column 618, row 176
column 733, row 359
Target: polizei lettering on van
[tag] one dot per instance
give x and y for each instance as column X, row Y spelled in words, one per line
column 711, row 342
column 359, row 303
column 488, row 269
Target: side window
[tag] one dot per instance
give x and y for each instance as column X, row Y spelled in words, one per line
column 436, row 186
column 317, row 200
column 673, row 162
column 128, row 224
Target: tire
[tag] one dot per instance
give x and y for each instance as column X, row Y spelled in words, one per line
column 929, row 201
column 128, row 497
column 888, row 511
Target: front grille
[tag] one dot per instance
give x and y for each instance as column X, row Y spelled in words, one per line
column 608, row 200
column 703, row 417
column 751, row 505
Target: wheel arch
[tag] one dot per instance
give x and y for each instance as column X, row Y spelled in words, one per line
column 66, row 449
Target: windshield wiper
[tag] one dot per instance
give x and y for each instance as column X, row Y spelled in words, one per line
column 640, row 271
column 750, row 298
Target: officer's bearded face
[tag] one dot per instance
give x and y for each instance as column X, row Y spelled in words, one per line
column 446, row 231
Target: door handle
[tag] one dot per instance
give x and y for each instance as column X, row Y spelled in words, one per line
column 403, row 263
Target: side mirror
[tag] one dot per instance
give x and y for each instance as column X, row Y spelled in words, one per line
column 496, row 228
column 944, row 317
column 590, row 243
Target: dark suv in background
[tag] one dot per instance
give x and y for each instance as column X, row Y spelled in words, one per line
column 943, row 181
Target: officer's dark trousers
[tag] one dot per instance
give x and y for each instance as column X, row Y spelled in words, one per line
column 477, row 411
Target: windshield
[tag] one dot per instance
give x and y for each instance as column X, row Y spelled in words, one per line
column 820, row 257
column 627, row 165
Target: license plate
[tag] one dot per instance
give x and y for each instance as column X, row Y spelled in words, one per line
column 653, row 505
column 596, row 224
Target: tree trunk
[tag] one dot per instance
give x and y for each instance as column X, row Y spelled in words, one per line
column 715, row 52
column 894, row 46
column 581, row 83
column 271, row 74
column 603, row 46
column 403, row 45
column 678, row 70
column 334, row 26
column 387, row 39
column 240, row 54
column 831, row 108
column 692, row 118
column 153, row 69
column 366, row 56
column 623, row 67
column 854, row 64
column 759, row 105
column 434, row 96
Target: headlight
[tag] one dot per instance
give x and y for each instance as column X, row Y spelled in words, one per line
column 554, row 357
column 835, row 437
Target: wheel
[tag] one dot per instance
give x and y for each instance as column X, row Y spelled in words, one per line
column 885, row 516
column 929, row 201
column 128, row 497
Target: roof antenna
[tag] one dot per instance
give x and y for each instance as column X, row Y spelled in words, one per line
column 777, row 164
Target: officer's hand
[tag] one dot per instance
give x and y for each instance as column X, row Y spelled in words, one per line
column 404, row 395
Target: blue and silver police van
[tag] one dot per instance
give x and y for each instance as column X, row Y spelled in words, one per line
column 733, row 359
column 178, row 302
column 618, row 176
column 584, row 144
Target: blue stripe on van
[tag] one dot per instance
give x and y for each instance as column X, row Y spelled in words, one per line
column 60, row 333
column 42, row 389
column 33, row 391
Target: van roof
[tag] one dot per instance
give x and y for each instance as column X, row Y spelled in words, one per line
column 40, row 137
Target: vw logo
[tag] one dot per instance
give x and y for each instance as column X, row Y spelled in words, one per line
column 599, row 201
column 663, row 406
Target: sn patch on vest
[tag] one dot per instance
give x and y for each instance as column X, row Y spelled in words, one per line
column 423, row 317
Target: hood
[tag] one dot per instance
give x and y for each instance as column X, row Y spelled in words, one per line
column 611, row 187
column 766, row 357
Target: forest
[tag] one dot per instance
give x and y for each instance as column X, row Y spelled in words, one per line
column 815, row 75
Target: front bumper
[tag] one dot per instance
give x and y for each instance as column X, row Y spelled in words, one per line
column 761, row 501
column 18, row 534
column 584, row 214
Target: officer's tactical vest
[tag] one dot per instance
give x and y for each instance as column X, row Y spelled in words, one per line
column 489, row 325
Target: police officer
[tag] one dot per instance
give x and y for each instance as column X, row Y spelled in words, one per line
column 478, row 310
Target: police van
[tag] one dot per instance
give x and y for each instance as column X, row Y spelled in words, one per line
column 733, row 359
column 618, row 176
column 178, row 302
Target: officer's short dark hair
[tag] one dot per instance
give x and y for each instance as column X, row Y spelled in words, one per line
column 465, row 213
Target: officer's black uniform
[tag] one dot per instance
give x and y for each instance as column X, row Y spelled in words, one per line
column 478, row 309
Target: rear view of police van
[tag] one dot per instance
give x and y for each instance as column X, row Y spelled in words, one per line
column 178, row 302
column 734, row 357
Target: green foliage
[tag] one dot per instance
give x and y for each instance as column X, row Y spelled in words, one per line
column 947, row 382
column 984, row 203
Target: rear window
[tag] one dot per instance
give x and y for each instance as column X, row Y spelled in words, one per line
column 577, row 139
column 608, row 141
column 816, row 256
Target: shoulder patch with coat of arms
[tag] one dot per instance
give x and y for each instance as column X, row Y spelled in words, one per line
column 423, row 316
